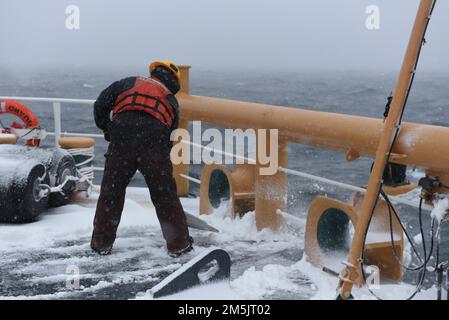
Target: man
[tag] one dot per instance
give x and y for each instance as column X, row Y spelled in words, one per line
column 137, row 116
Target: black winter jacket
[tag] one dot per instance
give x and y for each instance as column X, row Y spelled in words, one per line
column 105, row 103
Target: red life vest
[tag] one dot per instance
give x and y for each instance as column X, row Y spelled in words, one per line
column 147, row 95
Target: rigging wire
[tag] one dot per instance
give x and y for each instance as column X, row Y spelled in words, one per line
column 422, row 268
column 427, row 259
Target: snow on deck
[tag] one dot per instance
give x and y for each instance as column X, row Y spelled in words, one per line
column 37, row 259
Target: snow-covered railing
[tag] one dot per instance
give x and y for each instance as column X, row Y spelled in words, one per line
column 56, row 102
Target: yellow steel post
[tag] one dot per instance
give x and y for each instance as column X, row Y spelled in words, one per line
column 182, row 184
column 271, row 190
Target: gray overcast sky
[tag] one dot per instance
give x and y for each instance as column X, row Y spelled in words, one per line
column 295, row 34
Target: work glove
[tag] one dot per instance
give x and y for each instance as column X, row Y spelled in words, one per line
column 107, row 137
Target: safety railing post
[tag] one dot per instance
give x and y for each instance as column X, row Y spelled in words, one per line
column 183, row 168
column 185, row 78
column 270, row 190
column 57, row 121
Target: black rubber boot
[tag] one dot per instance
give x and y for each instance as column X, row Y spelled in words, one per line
column 101, row 245
column 178, row 253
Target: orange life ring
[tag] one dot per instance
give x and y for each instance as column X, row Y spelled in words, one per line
column 23, row 113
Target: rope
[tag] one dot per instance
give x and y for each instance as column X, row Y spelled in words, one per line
column 388, row 105
column 422, row 268
column 298, row 174
column 391, row 208
column 190, row 178
column 84, row 168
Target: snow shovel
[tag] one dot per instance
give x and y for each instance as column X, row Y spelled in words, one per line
column 197, row 223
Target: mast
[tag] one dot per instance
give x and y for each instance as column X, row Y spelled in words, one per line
column 351, row 274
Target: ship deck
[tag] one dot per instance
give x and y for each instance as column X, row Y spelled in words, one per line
column 38, row 259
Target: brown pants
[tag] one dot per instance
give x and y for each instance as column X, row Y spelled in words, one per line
column 135, row 146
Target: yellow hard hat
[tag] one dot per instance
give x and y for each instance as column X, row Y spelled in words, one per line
column 169, row 65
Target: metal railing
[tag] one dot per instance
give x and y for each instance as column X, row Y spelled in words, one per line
column 57, row 106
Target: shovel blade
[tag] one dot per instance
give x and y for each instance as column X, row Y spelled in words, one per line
column 197, row 223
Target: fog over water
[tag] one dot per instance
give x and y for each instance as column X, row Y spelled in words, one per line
column 269, row 34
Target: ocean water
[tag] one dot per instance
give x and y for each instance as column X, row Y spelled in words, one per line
column 350, row 92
